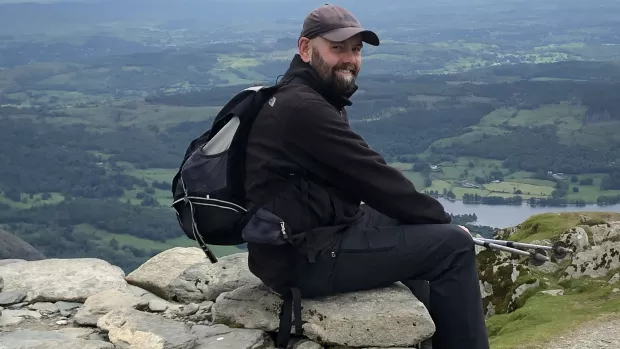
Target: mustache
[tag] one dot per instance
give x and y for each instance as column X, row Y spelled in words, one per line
column 347, row 66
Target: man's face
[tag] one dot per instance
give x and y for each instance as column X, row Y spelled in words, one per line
column 338, row 63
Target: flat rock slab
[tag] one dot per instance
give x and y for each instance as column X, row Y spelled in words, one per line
column 224, row 337
column 130, row 328
column 13, row 296
column 27, row 339
column 383, row 317
column 158, row 273
column 15, row 316
column 183, row 274
column 71, row 280
column 206, row 281
column 102, row 303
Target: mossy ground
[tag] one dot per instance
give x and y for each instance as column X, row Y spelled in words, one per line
column 543, row 317
column 539, row 318
column 552, row 225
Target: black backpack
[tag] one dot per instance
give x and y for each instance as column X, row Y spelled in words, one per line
column 208, row 190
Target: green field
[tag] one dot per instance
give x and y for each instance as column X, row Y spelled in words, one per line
column 146, row 244
column 545, row 317
column 28, row 201
column 450, row 175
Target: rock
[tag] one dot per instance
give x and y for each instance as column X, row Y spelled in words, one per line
column 389, row 316
column 553, row 292
column 596, row 262
column 547, row 268
column 184, row 275
column 224, row 337
column 158, row 273
column 520, row 290
column 63, row 279
column 9, row 261
column 158, row 305
column 190, row 309
column 603, row 232
column 615, row 290
column 18, row 305
column 130, row 328
column 306, row 344
column 14, row 317
column 28, row 339
column 12, row 247
column 77, row 332
column 206, row 281
column 12, row 297
column 502, row 276
column 577, row 238
column 614, row 279
column 62, row 305
column 103, row 302
column 45, row 307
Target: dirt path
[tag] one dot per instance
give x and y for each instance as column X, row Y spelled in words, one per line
column 603, row 333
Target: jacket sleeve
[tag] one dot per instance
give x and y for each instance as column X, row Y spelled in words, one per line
column 320, row 132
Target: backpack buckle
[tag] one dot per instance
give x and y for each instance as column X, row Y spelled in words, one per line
column 283, row 230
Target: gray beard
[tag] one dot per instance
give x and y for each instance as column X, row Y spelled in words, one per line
column 329, row 75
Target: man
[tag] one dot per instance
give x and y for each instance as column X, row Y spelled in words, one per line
column 405, row 236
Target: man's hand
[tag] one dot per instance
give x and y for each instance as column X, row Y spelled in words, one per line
column 465, row 228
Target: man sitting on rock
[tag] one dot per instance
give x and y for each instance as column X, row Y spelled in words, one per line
column 348, row 246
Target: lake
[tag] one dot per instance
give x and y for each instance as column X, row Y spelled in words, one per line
column 503, row 216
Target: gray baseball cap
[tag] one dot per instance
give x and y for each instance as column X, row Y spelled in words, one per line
column 335, row 23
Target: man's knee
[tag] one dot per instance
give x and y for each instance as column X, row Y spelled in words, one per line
column 460, row 238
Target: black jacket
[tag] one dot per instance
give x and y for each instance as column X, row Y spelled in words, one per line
column 307, row 127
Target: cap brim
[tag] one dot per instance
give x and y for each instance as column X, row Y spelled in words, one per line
column 342, row 34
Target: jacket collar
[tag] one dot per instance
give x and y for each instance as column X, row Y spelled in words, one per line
column 300, row 69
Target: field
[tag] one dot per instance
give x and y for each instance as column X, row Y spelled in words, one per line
column 455, row 177
column 105, row 237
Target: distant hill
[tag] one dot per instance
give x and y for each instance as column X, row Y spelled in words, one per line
column 12, row 247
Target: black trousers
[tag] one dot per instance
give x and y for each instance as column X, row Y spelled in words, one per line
column 377, row 251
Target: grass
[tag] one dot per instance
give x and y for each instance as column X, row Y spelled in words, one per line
column 550, row 225
column 416, row 178
column 451, row 173
column 526, row 189
column 147, row 244
column 138, row 114
column 154, row 174
column 27, row 201
column 164, row 197
column 565, row 116
column 545, row 317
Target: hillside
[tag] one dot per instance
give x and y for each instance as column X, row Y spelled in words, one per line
column 475, row 142
column 179, row 299
column 12, row 247
column 482, row 102
column 536, row 306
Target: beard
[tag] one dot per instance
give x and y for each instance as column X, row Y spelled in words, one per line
column 343, row 84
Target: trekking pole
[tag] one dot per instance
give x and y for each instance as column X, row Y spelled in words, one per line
column 559, row 248
column 537, row 257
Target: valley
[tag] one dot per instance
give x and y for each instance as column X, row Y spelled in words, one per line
column 96, row 114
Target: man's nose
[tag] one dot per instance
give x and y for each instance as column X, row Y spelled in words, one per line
column 350, row 56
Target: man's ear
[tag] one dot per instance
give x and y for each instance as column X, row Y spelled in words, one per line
column 304, row 49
